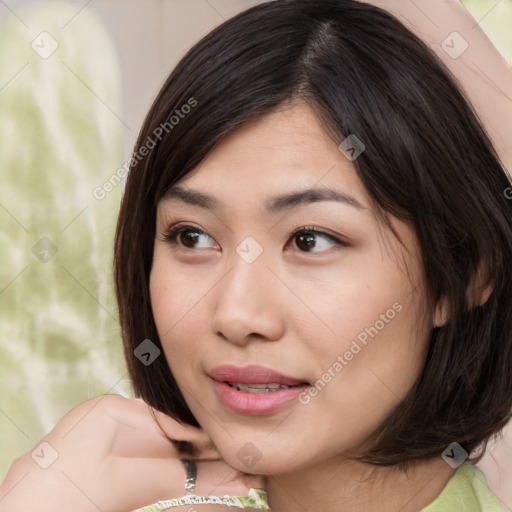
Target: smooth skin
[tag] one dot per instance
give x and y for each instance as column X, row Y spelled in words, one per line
column 295, row 309
column 114, row 456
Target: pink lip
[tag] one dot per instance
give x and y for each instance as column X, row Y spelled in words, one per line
column 254, row 404
column 251, row 374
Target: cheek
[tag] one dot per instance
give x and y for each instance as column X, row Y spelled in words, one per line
column 177, row 305
column 373, row 306
column 173, row 295
column 359, row 382
column 376, row 346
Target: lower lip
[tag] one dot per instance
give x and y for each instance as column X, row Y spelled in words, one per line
column 255, row 404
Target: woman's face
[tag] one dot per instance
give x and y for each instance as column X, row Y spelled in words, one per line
column 339, row 316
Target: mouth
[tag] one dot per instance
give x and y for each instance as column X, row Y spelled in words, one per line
column 257, row 388
column 254, row 390
column 253, row 376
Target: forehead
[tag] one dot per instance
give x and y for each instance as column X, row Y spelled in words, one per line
column 278, row 153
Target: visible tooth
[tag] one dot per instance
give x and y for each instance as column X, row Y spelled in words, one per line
column 263, row 386
column 258, row 388
column 253, row 390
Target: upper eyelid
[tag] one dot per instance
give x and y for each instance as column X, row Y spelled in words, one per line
column 178, row 227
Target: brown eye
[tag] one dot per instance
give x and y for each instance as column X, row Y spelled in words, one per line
column 184, row 235
column 307, row 239
column 188, row 238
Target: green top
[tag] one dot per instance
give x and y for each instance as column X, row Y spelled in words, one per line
column 255, row 499
column 466, row 491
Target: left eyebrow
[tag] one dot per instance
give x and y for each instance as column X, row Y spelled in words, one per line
column 311, row 195
column 272, row 205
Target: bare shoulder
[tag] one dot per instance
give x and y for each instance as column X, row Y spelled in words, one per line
column 81, row 438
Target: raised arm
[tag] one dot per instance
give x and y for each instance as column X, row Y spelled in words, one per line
column 481, row 70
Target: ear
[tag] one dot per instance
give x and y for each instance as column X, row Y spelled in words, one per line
column 441, row 313
column 480, row 287
column 478, row 292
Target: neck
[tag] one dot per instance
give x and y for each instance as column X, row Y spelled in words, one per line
column 353, row 486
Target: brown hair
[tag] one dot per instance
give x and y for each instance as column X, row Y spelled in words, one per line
column 427, row 161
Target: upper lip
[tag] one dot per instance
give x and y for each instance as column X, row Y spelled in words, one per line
column 252, row 374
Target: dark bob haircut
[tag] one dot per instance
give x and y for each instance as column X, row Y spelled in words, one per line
column 428, row 161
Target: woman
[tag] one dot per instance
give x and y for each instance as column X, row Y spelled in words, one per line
column 311, row 266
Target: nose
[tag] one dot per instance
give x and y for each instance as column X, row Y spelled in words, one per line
column 248, row 303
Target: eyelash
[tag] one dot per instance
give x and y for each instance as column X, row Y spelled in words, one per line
column 171, row 235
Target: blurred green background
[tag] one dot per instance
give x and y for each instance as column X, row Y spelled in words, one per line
column 495, row 18
column 62, row 135
column 60, row 338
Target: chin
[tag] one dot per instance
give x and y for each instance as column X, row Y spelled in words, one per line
column 257, row 455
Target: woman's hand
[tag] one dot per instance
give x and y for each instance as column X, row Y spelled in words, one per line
column 112, row 453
